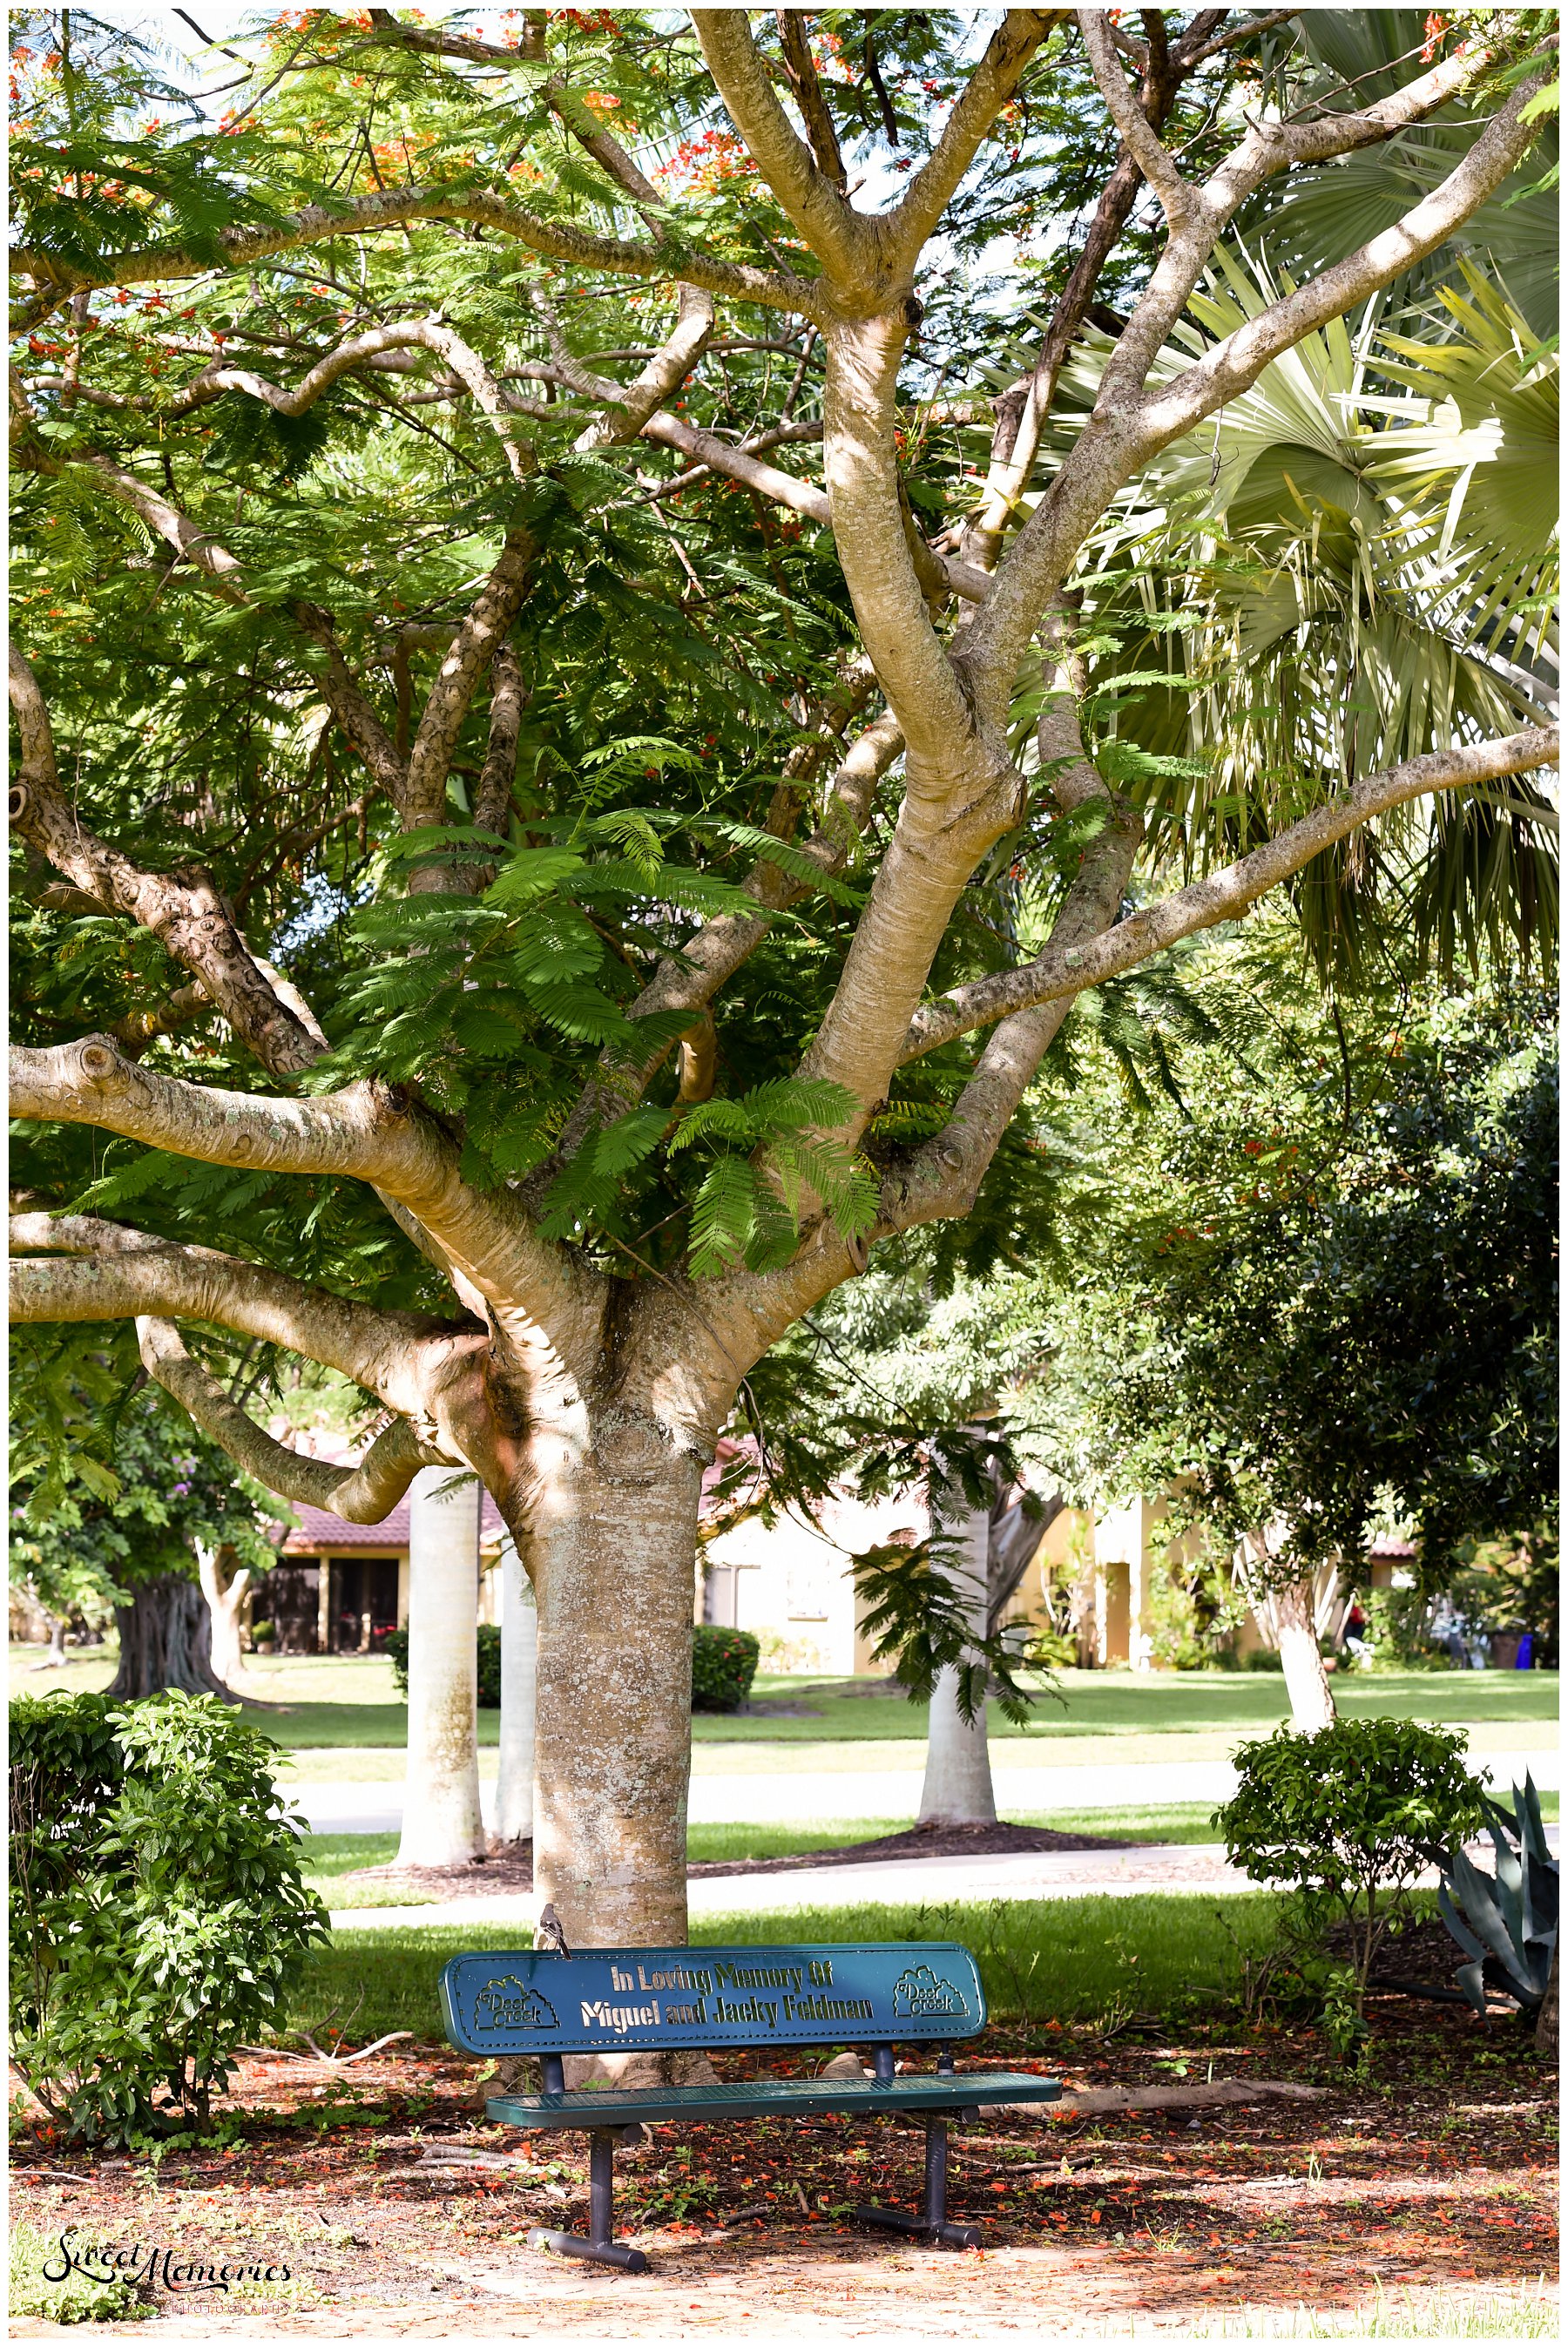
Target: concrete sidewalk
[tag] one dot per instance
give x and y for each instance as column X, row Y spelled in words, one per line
column 791, row 1795
column 893, row 1882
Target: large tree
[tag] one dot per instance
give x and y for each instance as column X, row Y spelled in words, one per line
column 159, row 1530
column 1318, row 1309
column 535, row 904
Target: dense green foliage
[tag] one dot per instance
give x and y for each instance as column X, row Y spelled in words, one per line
column 1346, row 1820
column 123, row 1509
column 1333, row 1303
column 678, row 641
column 723, row 1665
column 157, row 1916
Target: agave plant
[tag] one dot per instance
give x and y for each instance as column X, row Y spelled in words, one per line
column 1505, row 1923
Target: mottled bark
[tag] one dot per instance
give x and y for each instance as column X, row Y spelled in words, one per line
column 614, row 1547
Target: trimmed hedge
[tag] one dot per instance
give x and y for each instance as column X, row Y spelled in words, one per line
column 723, row 1665
column 395, row 1643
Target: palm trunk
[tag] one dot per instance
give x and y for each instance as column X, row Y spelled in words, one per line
column 613, row 1532
column 1305, row 1680
column 519, row 1644
column 957, row 1790
column 165, row 1641
column 441, row 1824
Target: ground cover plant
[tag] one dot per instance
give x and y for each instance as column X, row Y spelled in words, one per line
column 524, row 884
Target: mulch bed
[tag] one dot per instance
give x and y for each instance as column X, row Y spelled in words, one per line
column 1433, row 2171
column 509, row 1867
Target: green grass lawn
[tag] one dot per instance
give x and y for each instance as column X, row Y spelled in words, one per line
column 330, row 1856
column 1043, row 1961
column 330, row 1702
column 327, row 1856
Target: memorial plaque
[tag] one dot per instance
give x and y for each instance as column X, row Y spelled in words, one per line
column 651, row 2000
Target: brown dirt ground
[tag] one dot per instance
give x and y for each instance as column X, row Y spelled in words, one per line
column 1435, row 2173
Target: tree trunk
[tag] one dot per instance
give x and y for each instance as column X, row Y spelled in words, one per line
column 519, row 1645
column 57, row 1658
column 165, row 1641
column 957, row 1790
column 613, row 1536
column 441, row 1824
column 1546, row 2021
column 1305, row 1680
column 223, row 1585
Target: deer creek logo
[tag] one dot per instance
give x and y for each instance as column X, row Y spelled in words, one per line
column 919, row 1995
column 508, row 2004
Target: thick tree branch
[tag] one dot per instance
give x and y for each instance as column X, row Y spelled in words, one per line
column 663, row 376
column 861, row 466
column 800, row 72
column 1129, row 425
column 364, row 1132
column 1139, row 137
column 187, row 915
column 991, row 86
column 1061, row 973
column 841, row 238
column 353, row 709
column 111, row 1273
column 473, row 648
column 360, row 1495
column 389, row 207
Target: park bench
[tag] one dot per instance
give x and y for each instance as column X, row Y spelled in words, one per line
column 669, row 1999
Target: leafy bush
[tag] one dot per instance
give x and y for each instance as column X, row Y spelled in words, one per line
column 1347, row 1819
column 158, row 1913
column 262, row 1629
column 1506, row 1923
column 723, row 1665
column 395, row 1643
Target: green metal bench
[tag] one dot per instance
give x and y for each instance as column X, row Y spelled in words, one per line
column 676, row 2000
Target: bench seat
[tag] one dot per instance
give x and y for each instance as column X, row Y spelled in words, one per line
column 607, row 2002
column 762, row 2098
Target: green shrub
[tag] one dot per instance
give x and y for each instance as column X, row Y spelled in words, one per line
column 260, row 1630
column 47, row 2287
column 1346, row 1820
column 723, row 1665
column 395, row 1643
column 157, row 1911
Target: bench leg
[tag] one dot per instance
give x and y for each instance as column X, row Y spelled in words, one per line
column 600, row 2247
column 932, row 2223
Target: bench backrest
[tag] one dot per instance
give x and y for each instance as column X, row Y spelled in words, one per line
column 654, row 2000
